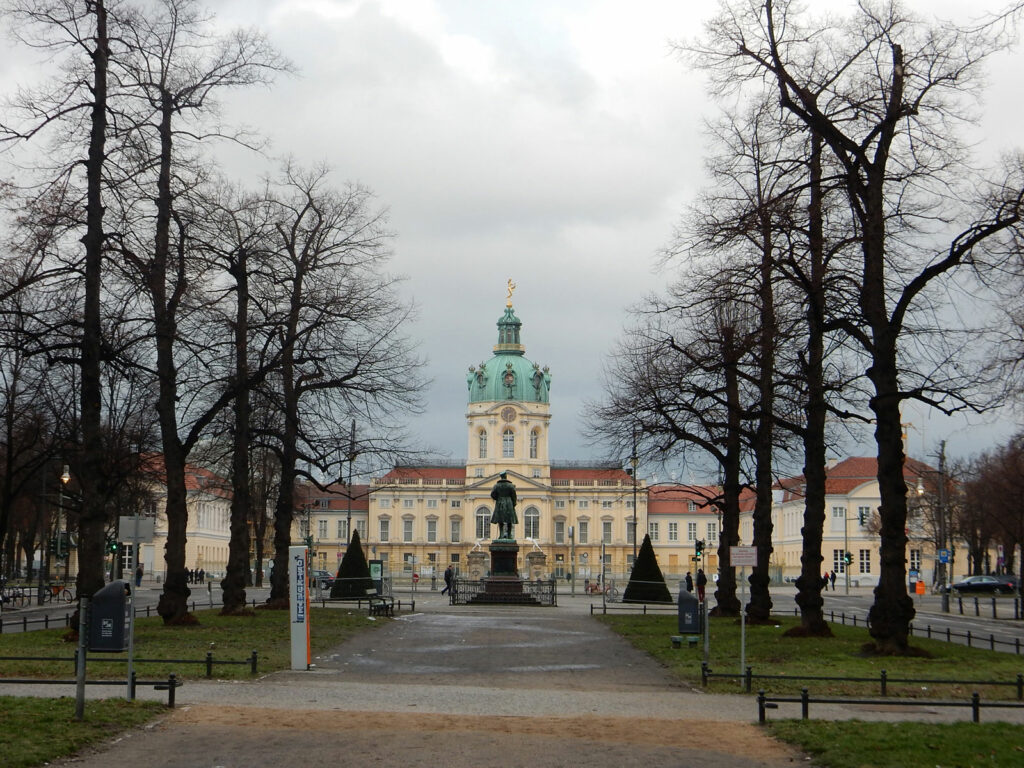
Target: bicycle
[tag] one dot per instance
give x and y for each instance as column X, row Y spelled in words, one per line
column 57, row 593
column 13, row 595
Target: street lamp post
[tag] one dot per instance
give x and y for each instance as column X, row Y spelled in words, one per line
column 351, row 457
column 633, row 462
column 944, row 530
column 64, row 478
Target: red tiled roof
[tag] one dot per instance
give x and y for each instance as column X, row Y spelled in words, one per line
column 849, row 474
column 425, row 472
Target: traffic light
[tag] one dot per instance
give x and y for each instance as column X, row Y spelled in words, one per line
column 847, row 558
column 698, row 547
column 861, row 515
column 112, row 546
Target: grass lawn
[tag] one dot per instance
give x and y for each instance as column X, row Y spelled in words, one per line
column 232, row 638
column 36, row 730
column 850, row 744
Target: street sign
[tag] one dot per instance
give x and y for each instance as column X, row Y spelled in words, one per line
column 126, row 527
column 743, row 556
column 943, row 555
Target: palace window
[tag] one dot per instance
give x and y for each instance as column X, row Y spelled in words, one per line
column 361, row 528
column 431, row 503
column 606, row 531
column 559, row 531
column 713, row 533
column 483, row 444
column 508, row 444
column 673, row 531
column 691, row 532
column 385, row 530
column 321, row 529
column 343, row 530
column 559, row 503
column 584, row 532
column 456, row 531
column 652, row 529
column 483, row 523
column 532, row 521
column 533, row 445
column 407, row 530
column 582, row 504
column 431, row 530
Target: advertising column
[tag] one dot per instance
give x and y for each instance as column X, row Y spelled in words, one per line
column 297, row 577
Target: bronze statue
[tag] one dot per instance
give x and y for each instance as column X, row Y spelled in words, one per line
column 504, row 515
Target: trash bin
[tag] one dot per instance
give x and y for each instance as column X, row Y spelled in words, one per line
column 108, row 618
column 689, row 612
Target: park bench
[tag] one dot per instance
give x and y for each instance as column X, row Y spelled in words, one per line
column 380, row 606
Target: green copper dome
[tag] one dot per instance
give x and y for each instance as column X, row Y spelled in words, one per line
column 508, row 375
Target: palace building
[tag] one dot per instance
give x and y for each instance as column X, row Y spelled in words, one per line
column 421, row 517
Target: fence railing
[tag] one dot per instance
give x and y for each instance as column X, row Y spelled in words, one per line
column 171, row 684
column 883, row 680
column 972, row 639
column 208, row 662
column 765, row 703
column 465, row 591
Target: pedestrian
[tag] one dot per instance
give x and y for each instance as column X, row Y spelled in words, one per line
column 832, row 579
column 824, row 581
column 689, row 582
column 138, row 575
column 201, row 576
column 447, row 580
column 702, row 582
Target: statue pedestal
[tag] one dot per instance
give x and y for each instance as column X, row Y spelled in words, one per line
column 504, row 558
column 504, row 585
column 475, row 565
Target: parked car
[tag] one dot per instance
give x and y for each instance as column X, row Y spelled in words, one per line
column 323, row 579
column 996, row 585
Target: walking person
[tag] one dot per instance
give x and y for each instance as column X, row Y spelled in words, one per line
column 824, row 581
column 138, row 575
column 689, row 582
column 447, row 580
column 702, row 583
column 832, row 579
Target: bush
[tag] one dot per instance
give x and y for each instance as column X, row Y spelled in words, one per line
column 646, row 582
column 353, row 577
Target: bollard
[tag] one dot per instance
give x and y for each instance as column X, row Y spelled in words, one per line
column 805, row 703
column 760, row 707
column 131, row 686
column 209, row 664
column 884, row 683
column 749, row 679
column 252, row 662
column 172, row 683
column 1020, row 686
column 976, row 707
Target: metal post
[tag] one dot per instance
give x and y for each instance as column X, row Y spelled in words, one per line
column 83, row 630
column 634, row 460
column 572, row 558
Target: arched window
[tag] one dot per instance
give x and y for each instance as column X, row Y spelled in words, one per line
column 533, row 444
column 532, row 522
column 483, row 523
column 508, row 444
column 483, row 443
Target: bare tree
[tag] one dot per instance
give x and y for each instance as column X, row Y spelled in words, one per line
column 883, row 93
column 339, row 331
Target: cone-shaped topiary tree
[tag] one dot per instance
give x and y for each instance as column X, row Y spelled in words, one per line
column 354, row 574
column 646, row 583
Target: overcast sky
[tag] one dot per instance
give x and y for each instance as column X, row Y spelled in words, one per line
column 551, row 142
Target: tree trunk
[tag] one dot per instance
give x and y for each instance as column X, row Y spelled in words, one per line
column 92, row 520
column 808, row 584
column 234, row 580
column 759, row 608
column 725, row 593
column 173, row 605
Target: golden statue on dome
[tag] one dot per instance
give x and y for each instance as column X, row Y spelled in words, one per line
column 511, row 289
